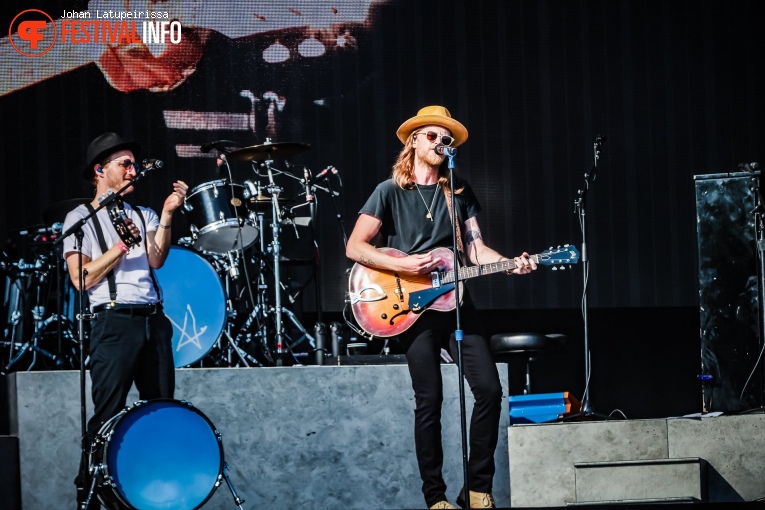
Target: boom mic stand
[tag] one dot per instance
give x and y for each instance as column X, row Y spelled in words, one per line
column 585, row 409
column 458, row 333
column 76, row 229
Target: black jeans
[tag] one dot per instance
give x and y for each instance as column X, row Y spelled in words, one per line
column 423, row 343
column 125, row 349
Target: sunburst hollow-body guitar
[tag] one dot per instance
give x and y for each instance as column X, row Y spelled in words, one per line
column 386, row 303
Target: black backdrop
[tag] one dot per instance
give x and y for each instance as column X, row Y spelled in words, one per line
column 675, row 87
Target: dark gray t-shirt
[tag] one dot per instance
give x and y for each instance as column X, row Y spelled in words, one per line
column 404, row 215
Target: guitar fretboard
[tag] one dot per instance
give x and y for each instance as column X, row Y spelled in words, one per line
column 483, row 269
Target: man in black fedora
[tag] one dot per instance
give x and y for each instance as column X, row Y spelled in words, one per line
column 130, row 336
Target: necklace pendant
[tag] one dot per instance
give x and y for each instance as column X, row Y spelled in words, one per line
column 429, row 216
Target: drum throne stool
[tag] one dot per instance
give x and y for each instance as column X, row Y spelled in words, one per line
column 531, row 408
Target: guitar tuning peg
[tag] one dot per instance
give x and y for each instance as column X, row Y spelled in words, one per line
column 555, row 268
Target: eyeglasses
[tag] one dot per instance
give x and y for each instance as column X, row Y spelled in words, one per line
column 125, row 163
column 432, row 136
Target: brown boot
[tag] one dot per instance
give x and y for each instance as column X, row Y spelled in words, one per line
column 477, row 500
column 443, row 504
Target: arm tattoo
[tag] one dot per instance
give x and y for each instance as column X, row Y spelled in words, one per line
column 472, row 235
column 366, row 261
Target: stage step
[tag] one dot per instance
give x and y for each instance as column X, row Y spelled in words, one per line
column 641, row 481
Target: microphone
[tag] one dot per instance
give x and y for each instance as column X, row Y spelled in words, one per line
column 443, row 149
column 600, row 139
column 152, row 164
column 330, row 170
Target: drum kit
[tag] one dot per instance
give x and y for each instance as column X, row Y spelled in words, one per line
column 225, row 305
column 40, row 304
column 222, row 284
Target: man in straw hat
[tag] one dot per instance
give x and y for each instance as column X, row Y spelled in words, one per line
column 130, row 337
column 411, row 212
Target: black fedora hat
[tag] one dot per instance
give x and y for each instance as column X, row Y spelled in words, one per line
column 102, row 146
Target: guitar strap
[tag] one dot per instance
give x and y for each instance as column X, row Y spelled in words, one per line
column 460, row 249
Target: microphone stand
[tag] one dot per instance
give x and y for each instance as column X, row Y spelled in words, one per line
column 334, row 194
column 76, row 229
column 585, row 409
column 759, row 228
column 458, row 333
column 310, row 199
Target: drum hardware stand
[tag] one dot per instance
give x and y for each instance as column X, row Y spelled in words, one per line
column 12, row 344
column 237, row 500
column 38, row 273
column 232, row 273
column 276, row 251
column 300, row 328
column 31, row 345
column 92, row 490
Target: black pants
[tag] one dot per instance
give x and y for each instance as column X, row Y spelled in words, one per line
column 125, row 349
column 423, row 343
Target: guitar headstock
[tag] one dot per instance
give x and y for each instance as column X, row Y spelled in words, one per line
column 560, row 257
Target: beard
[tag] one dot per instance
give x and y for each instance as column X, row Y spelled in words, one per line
column 432, row 158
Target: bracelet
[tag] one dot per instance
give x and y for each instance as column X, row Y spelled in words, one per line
column 164, row 226
column 124, row 248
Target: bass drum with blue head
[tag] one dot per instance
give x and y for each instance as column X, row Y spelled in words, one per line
column 157, row 454
column 195, row 303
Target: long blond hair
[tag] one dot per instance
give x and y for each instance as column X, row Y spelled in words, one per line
column 403, row 169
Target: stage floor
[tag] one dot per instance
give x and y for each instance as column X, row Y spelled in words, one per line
column 294, row 437
column 329, row 437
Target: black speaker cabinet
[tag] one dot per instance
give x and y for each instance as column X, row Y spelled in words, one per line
column 730, row 286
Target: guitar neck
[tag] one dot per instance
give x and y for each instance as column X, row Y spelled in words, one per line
column 484, row 269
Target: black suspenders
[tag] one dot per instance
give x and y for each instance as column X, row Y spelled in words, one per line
column 102, row 242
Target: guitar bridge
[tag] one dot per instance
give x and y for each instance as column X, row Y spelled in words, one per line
column 356, row 297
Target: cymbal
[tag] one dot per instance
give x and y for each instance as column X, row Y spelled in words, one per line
column 57, row 212
column 268, row 151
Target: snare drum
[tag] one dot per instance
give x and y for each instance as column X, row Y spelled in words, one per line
column 216, row 213
column 155, row 454
column 194, row 302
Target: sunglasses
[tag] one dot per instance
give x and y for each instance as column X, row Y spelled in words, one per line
column 432, row 136
column 126, row 163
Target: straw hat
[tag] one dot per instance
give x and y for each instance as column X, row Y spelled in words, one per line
column 437, row 115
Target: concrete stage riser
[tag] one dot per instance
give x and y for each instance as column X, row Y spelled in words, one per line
column 294, row 437
column 543, row 457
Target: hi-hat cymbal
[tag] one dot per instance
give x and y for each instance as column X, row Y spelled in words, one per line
column 57, row 212
column 268, row 151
